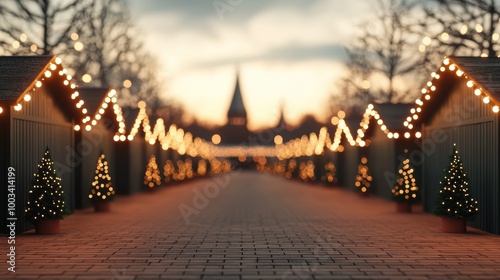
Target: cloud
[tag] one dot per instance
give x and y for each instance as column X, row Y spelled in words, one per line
column 290, row 53
column 195, row 11
column 287, row 49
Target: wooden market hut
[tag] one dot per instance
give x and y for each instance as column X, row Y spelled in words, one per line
column 460, row 105
column 103, row 127
column 38, row 109
column 387, row 139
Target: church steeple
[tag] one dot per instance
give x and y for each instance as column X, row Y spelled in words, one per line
column 282, row 122
column 237, row 114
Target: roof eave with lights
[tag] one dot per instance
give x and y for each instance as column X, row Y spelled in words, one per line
column 52, row 69
column 416, row 118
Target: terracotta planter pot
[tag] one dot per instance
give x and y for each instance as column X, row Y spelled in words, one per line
column 363, row 194
column 152, row 190
column 453, row 225
column 51, row 226
column 403, row 207
column 102, row 206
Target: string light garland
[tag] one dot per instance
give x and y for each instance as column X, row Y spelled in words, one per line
column 109, row 103
column 46, row 196
column 174, row 138
column 454, row 200
column 51, row 70
column 102, row 187
column 372, row 113
column 448, row 65
column 313, row 144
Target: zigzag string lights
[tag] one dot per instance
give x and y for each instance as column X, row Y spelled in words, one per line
column 307, row 145
column 52, row 69
column 342, row 128
column 175, row 138
column 108, row 102
column 370, row 113
column 427, row 92
column 142, row 118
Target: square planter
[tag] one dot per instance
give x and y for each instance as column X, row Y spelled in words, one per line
column 453, row 225
column 50, row 226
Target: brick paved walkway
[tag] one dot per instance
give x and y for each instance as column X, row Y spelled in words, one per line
column 256, row 227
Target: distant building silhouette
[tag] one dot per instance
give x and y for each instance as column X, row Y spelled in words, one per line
column 235, row 132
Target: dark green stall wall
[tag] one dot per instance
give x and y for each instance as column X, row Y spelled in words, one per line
column 465, row 120
column 348, row 166
column 4, row 160
column 38, row 125
column 129, row 157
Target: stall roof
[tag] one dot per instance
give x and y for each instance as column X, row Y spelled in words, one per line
column 17, row 73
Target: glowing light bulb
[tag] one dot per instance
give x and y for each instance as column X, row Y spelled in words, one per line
column 86, row 78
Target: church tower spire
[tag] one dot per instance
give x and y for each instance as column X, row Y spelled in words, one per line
column 237, row 114
column 282, row 122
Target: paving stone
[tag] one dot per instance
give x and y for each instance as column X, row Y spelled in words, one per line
column 258, row 227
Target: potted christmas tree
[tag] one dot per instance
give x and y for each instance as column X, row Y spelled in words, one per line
column 454, row 203
column 46, row 207
column 405, row 190
column 152, row 177
column 363, row 178
column 168, row 171
column 102, row 192
column 329, row 176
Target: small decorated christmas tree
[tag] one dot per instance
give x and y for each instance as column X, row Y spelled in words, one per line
column 202, row 167
column 168, row 171
column 329, row 176
column 363, row 178
column 405, row 190
column 46, row 196
column 454, row 200
column 152, row 176
column 102, row 188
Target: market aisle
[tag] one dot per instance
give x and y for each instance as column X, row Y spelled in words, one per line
column 246, row 225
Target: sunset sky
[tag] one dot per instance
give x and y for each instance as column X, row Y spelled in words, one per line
column 287, row 51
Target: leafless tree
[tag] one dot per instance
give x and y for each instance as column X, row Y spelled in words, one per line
column 461, row 27
column 114, row 56
column 390, row 45
column 39, row 26
column 352, row 92
column 93, row 37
